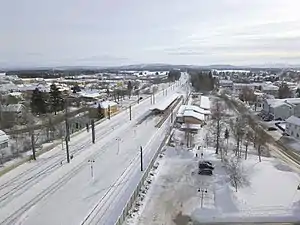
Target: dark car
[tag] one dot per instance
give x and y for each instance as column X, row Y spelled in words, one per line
column 203, row 165
column 207, row 162
column 206, row 172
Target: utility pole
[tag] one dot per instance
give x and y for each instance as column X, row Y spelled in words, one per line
column 142, row 167
column 108, row 111
column 91, row 161
column 202, row 195
column 93, row 130
column 67, row 136
column 129, row 112
column 67, row 120
column 32, row 143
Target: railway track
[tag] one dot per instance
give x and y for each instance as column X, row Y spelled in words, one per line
column 113, row 193
column 14, row 216
column 18, row 183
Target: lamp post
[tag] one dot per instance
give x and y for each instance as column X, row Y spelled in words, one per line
column 118, row 139
column 91, row 161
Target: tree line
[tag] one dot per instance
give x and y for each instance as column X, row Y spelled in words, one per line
column 174, row 75
column 202, row 81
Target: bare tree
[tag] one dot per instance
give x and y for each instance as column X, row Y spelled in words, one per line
column 29, row 120
column 237, row 126
column 248, row 138
column 261, row 140
column 217, row 113
column 236, row 174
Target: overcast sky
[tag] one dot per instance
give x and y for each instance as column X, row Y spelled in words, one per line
column 119, row 32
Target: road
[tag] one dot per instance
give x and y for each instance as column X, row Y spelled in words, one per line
column 46, row 192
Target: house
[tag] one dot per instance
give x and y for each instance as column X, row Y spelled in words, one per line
column 4, row 145
column 226, row 84
column 105, row 108
column 12, row 114
column 238, row 87
column 270, row 89
column 293, row 127
column 281, row 108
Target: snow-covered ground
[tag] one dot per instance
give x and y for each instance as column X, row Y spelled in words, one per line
column 268, row 194
column 51, row 191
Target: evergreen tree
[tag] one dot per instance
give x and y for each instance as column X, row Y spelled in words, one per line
column 298, row 93
column 56, row 101
column 38, row 103
column 174, row 75
column 100, row 112
column 202, row 80
column 284, row 91
column 129, row 88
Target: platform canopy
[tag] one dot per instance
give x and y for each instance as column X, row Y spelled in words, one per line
column 163, row 105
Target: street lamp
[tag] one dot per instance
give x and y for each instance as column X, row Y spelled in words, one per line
column 91, row 161
column 118, row 139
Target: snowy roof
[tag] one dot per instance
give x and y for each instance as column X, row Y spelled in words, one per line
column 105, row 104
column 3, row 136
column 191, row 126
column 287, row 101
column 204, row 102
column 16, row 94
column 181, row 110
column 164, row 104
column 89, row 94
column 293, row 120
column 270, row 87
column 225, row 82
column 190, row 113
column 197, row 109
column 12, row 108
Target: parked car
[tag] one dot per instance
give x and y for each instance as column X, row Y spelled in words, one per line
column 206, row 172
column 271, row 129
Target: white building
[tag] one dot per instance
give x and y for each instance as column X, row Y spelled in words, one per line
column 282, row 108
column 293, row 127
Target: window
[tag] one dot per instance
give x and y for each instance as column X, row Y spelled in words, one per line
column 3, row 145
column 297, row 135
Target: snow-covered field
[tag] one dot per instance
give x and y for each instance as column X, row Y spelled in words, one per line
column 268, row 194
column 51, row 191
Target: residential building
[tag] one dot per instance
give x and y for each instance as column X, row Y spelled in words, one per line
column 12, row 114
column 293, row 127
column 106, row 108
column 282, row 108
column 270, row 89
column 226, row 84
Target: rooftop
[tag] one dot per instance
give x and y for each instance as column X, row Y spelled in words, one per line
column 293, row 120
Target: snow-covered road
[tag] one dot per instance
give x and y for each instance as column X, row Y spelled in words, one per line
column 46, row 192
